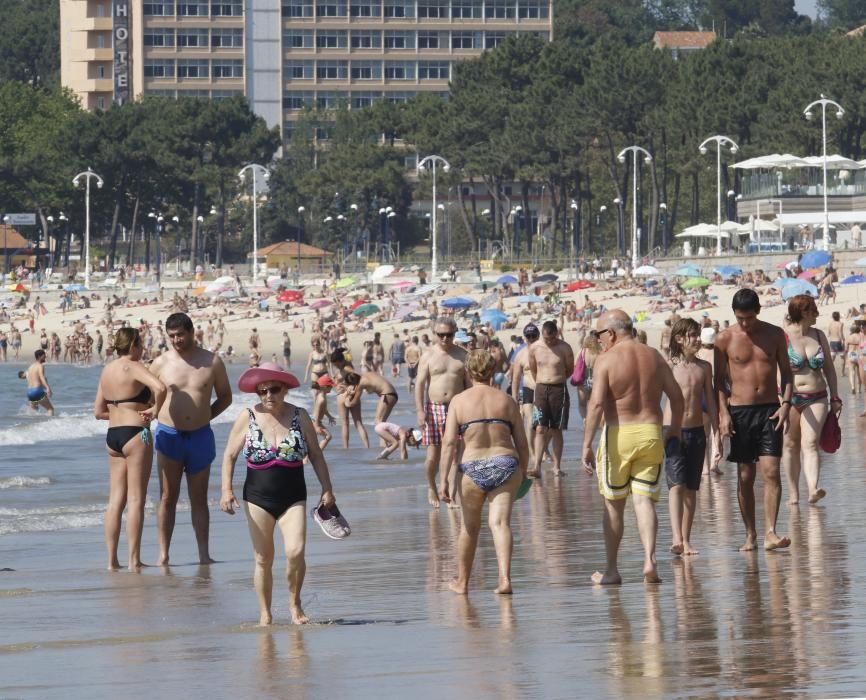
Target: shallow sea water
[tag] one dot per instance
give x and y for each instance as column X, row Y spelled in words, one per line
column 722, row 624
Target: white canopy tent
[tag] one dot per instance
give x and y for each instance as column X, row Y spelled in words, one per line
column 786, row 160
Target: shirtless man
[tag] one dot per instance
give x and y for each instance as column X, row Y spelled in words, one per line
column 551, row 362
column 665, row 342
column 836, row 337
column 684, row 462
column 413, row 357
column 713, row 455
column 628, row 380
column 183, row 437
column 38, row 389
column 441, row 376
column 525, row 394
column 748, row 356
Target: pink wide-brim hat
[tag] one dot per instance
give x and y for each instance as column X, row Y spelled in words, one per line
column 266, row 372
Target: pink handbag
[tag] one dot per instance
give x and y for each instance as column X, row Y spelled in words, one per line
column 831, row 434
column 579, row 374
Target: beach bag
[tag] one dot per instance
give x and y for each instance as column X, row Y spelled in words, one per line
column 579, row 374
column 831, row 434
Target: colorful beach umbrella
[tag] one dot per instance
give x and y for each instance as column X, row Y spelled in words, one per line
column 507, row 279
column 799, row 287
column 783, row 282
column 647, row 271
column 358, row 302
column 815, row 258
column 530, row 299
column 321, row 303
column 728, row 271
column 579, row 285
column 344, row 282
column 809, row 274
column 854, row 279
column 695, row 283
column 548, row 277
column 366, row 310
column 290, row 295
column 457, row 303
column 688, row 270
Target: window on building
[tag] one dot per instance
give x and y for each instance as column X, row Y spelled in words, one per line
column 466, row 40
column 331, row 8
column 500, row 9
column 217, row 95
column 360, row 100
column 434, row 70
column 366, row 70
column 193, row 8
column 100, row 41
column 159, row 68
column 295, row 100
column 158, row 38
column 160, row 8
column 400, row 70
column 193, row 38
column 398, row 97
column 100, row 71
column 297, row 8
column 298, row 39
column 433, row 9
column 100, row 10
column 332, row 70
column 227, row 68
column 194, row 94
column 330, row 100
column 227, row 38
column 366, row 40
column 532, row 9
column 331, row 39
column 493, row 39
column 193, row 68
column 298, row 70
column 365, row 8
column 100, row 102
column 466, row 9
column 399, row 8
column 161, row 93
column 399, row 40
column 227, row 8
column 428, row 40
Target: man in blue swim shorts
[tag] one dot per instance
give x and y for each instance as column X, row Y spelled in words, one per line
column 38, row 389
column 183, row 437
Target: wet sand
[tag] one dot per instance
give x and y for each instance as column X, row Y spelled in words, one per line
column 384, row 624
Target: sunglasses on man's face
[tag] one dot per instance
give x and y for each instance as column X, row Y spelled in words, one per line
column 270, row 391
column 445, row 335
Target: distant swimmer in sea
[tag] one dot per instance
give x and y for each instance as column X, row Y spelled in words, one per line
column 129, row 442
column 38, row 389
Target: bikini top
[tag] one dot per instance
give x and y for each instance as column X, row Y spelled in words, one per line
column 142, row 396
column 797, row 362
column 261, row 454
column 465, row 426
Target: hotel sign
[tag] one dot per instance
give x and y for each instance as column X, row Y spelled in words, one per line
column 121, row 51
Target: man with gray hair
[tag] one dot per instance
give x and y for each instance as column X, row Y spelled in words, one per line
column 441, row 376
column 628, row 380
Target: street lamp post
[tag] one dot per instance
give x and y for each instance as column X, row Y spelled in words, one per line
column 620, row 225
column 824, row 102
column 157, row 221
column 663, row 223
column 720, row 141
column 301, row 211
column 634, row 150
column 265, row 173
column 431, row 162
column 575, row 234
column 88, row 175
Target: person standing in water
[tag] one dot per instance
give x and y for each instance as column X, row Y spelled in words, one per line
column 38, row 389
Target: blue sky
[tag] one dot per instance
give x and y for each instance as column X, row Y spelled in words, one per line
column 806, row 7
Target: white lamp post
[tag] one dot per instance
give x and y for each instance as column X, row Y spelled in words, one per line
column 634, row 150
column 265, row 173
column 431, row 162
column 87, row 175
column 720, row 141
column 824, row 102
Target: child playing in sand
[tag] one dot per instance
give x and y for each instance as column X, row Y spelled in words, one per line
column 395, row 436
column 321, row 387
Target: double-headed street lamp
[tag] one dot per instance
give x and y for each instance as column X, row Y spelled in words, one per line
column 431, row 162
column 634, row 150
column 88, row 175
column 824, row 102
column 720, row 141
column 257, row 170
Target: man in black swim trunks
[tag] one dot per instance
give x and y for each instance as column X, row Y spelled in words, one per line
column 523, row 383
column 747, row 358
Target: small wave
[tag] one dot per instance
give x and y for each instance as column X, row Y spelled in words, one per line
column 24, row 482
column 57, row 429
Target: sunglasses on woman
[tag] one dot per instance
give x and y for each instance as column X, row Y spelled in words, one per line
column 270, row 390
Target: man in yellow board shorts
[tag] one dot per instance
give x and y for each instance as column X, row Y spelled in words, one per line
column 628, row 381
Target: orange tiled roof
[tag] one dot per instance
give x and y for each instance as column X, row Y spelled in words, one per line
column 11, row 239
column 683, row 40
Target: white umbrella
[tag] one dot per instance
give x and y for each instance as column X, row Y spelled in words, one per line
column 382, row 272
column 702, row 231
column 647, row 271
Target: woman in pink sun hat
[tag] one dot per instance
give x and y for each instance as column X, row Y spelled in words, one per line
column 276, row 437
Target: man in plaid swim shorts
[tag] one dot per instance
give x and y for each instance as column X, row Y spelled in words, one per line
column 441, row 376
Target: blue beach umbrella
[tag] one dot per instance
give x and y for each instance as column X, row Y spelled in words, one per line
column 799, row 287
column 688, row 270
column 728, row 271
column 490, row 314
column 507, row 279
column 530, row 299
column 74, row 288
column 854, row 279
column 783, row 282
column 457, row 303
column 815, row 258
column 549, row 277
column 860, row 262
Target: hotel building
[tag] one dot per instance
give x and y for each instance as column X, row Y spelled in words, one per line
column 282, row 54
